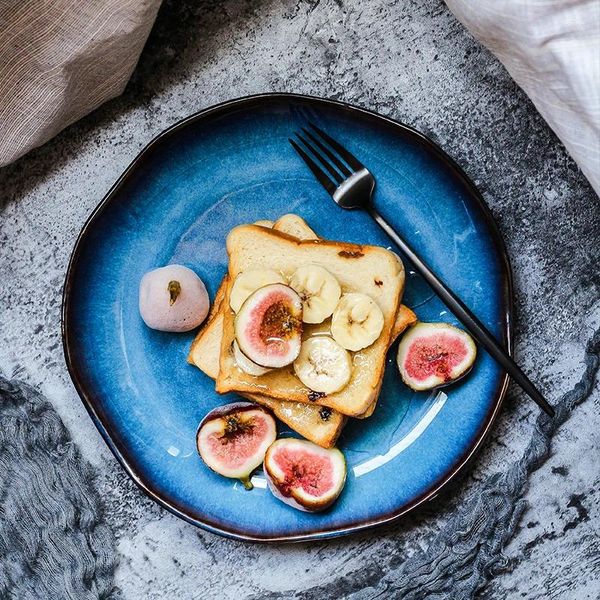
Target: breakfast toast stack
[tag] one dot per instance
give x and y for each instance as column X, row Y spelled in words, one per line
column 285, row 247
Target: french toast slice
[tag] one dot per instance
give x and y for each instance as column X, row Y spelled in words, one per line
column 264, row 223
column 404, row 319
column 318, row 426
column 367, row 269
column 295, row 226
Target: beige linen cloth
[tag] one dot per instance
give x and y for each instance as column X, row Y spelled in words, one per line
column 60, row 59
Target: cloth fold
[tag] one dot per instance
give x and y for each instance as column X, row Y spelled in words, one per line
column 61, row 59
column 53, row 539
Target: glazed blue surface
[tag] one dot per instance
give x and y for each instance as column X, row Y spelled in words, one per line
column 176, row 206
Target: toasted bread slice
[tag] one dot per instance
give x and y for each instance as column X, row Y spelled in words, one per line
column 264, row 223
column 306, row 419
column 322, row 427
column 367, row 269
column 196, row 349
column 207, row 343
column 404, row 319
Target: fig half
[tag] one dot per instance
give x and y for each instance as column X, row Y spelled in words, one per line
column 268, row 326
column 434, row 354
column 232, row 439
column 304, row 475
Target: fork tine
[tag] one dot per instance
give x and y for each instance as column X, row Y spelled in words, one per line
column 321, row 176
column 349, row 158
column 334, row 159
column 334, row 174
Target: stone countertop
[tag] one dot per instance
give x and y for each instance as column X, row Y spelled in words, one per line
column 412, row 61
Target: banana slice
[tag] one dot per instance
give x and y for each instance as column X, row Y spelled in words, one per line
column 248, row 282
column 319, row 290
column 245, row 364
column 357, row 321
column 323, row 365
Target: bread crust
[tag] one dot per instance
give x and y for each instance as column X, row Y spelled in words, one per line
column 380, row 274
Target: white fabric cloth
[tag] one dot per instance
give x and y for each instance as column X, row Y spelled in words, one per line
column 551, row 48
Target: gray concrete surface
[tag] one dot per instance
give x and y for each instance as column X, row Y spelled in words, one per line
column 410, row 60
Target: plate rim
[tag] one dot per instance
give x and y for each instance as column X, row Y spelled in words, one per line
column 87, row 397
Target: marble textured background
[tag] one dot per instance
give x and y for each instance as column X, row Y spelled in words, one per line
column 412, row 61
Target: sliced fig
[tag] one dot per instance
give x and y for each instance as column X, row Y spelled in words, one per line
column 245, row 364
column 232, row 439
column 268, row 326
column 434, row 354
column 304, row 475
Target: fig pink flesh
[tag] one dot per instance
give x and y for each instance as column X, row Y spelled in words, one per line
column 270, row 324
column 435, row 355
column 311, row 472
column 233, row 450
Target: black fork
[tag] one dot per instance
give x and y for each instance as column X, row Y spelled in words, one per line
column 351, row 185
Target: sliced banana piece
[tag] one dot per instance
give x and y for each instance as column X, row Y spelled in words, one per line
column 356, row 322
column 323, row 365
column 245, row 364
column 320, row 292
column 248, row 282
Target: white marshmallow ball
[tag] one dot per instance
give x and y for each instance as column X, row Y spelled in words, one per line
column 173, row 298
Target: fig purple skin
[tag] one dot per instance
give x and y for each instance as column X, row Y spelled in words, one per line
column 232, row 439
column 304, row 475
column 433, row 355
column 173, row 298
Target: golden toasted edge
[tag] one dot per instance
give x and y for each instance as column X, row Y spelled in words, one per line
column 214, row 311
column 404, row 319
column 346, row 250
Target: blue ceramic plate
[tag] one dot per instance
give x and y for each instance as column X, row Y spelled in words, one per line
column 175, row 203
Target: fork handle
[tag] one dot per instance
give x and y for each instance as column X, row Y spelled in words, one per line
column 465, row 316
